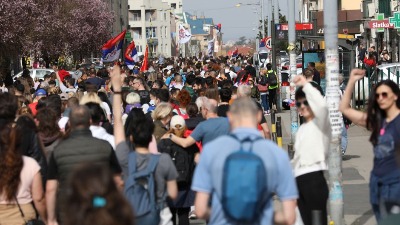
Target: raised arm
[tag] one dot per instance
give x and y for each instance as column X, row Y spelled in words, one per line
column 119, row 133
column 358, row 117
column 61, row 84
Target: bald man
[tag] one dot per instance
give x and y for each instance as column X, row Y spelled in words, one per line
column 206, row 131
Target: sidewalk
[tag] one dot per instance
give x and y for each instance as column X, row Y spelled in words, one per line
column 357, row 164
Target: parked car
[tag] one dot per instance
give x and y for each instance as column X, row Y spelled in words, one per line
column 386, row 71
column 38, row 73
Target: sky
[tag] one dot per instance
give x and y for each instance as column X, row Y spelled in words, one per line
column 235, row 21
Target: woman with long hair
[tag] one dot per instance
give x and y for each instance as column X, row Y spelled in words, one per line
column 49, row 131
column 383, row 120
column 184, row 162
column 161, row 117
column 93, row 198
column 20, row 179
column 183, row 100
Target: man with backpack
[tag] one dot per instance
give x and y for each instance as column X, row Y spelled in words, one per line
column 273, row 85
column 241, row 178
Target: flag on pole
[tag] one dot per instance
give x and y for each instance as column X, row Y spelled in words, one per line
column 218, row 27
column 184, row 35
column 131, row 55
column 112, row 49
column 145, row 60
column 235, row 53
column 263, row 43
column 211, row 47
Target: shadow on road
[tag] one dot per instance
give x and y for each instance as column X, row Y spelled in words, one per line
column 363, row 218
column 348, row 157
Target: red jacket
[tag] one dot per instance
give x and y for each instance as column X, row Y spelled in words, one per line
column 370, row 62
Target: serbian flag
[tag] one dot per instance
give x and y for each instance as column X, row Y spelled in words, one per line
column 263, row 43
column 218, row 27
column 112, row 49
column 145, row 63
column 131, row 55
column 235, row 53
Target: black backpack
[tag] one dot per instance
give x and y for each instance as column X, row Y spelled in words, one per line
column 181, row 158
column 272, row 81
column 263, row 80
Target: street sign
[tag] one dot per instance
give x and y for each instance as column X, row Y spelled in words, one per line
column 299, row 26
column 128, row 35
column 395, row 20
column 268, row 43
column 379, row 24
column 380, row 16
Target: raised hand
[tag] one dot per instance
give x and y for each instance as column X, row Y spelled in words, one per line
column 357, row 74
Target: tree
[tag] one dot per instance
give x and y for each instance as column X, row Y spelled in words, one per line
column 52, row 27
column 242, row 40
column 282, row 19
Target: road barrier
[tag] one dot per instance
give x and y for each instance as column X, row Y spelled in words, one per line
column 273, row 126
column 279, row 131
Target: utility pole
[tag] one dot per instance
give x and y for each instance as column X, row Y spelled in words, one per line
column 269, row 7
column 275, row 58
column 293, row 69
column 262, row 19
column 333, row 98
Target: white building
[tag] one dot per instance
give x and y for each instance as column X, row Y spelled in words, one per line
column 150, row 23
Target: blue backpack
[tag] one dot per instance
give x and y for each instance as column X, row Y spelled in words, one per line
column 140, row 191
column 244, row 185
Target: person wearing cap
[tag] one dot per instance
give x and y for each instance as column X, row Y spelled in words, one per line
column 180, row 207
column 40, row 93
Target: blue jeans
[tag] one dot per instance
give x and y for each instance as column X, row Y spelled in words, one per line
column 344, row 139
column 264, row 101
column 384, row 189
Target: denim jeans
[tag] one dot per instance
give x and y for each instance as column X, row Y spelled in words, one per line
column 344, row 139
column 264, row 101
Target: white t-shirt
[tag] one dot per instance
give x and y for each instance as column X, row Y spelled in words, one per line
column 28, row 172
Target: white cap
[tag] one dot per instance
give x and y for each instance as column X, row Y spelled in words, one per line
column 177, row 120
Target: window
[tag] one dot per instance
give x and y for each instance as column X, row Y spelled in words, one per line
column 165, row 32
column 138, row 48
column 173, row 5
column 165, row 16
column 151, row 32
column 137, row 33
column 136, row 17
column 384, row 7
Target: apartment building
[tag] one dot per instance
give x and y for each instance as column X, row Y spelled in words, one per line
column 150, row 23
column 120, row 9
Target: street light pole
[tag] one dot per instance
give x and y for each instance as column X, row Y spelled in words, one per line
column 333, row 98
column 262, row 19
column 293, row 69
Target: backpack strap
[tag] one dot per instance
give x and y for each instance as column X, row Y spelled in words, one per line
column 247, row 139
column 132, row 162
column 151, row 166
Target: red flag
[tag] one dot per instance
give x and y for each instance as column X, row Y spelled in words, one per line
column 145, row 60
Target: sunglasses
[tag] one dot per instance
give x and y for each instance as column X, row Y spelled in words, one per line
column 383, row 94
column 305, row 103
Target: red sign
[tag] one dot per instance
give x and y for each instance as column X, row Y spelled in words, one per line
column 299, row 26
column 374, row 24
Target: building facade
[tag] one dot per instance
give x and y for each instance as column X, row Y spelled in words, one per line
column 120, row 9
column 150, row 24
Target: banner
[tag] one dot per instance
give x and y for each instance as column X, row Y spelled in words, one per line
column 211, row 47
column 131, row 55
column 184, row 35
column 145, row 63
column 112, row 49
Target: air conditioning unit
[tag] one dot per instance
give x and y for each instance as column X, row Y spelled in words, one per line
column 394, row 5
column 371, row 10
column 313, row 6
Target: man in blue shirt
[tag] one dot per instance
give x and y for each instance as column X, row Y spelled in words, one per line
column 208, row 177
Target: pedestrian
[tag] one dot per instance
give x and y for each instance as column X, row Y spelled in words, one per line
column 382, row 118
column 311, row 148
column 161, row 116
column 20, row 179
column 141, row 88
column 93, row 198
column 184, row 160
column 78, row 147
column 49, row 131
column 96, row 119
column 206, row 131
column 263, row 88
column 183, row 100
column 162, row 182
column 273, row 85
column 317, row 75
column 225, row 94
column 210, row 175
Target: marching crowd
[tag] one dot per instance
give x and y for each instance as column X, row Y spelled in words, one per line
column 186, row 138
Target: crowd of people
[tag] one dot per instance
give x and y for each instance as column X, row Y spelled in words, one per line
column 118, row 146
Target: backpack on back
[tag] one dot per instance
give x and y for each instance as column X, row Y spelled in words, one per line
column 244, row 184
column 272, row 80
column 140, row 191
column 181, row 159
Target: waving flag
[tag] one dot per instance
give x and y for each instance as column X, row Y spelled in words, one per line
column 263, row 43
column 131, row 55
column 235, row 53
column 145, row 63
column 218, row 27
column 112, row 49
column 184, row 35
